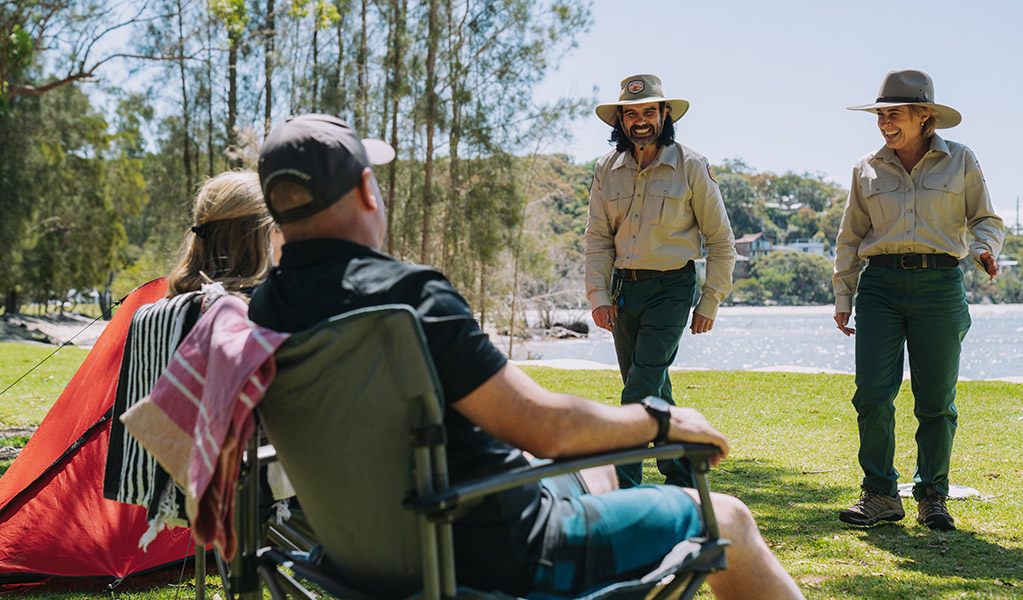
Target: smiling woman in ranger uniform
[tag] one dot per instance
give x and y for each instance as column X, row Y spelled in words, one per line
column 910, row 205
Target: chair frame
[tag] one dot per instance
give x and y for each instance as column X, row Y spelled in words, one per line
column 436, row 504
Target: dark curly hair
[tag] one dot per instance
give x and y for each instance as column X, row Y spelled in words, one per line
column 624, row 144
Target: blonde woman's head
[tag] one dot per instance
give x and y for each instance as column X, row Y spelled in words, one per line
column 230, row 237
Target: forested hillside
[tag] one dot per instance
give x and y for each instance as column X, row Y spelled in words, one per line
column 111, row 114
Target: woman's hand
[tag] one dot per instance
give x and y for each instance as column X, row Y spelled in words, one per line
column 842, row 318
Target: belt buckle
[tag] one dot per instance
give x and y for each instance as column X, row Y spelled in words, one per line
column 902, row 261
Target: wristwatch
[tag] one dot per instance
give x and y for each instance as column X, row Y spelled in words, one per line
column 659, row 409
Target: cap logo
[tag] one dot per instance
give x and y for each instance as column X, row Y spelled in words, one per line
column 636, row 86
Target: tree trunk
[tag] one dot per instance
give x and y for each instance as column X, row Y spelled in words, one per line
column 431, row 122
column 482, row 294
column 234, row 157
column 106, row 299
column 361, row 94
column 268, row 65
column 449, row 235
column 316, row 63
column 209, row 104
column 515, row 296
column 12, row 304
column 186, row 145
column 392, row 172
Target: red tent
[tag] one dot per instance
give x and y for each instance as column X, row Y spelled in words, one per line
column 54, row 519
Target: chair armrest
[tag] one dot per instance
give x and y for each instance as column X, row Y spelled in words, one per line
column 442, row 503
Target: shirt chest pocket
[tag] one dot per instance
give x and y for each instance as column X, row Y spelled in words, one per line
column 883, row 199
column 941, row 199
column 618, row 200
column 668, row 203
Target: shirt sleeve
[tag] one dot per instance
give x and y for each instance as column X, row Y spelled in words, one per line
column 987, row 228
column 462, row 353
column 599, row 245
column 855, row 225
column 710, row 214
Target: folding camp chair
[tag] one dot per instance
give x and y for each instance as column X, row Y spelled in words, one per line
column 356, row 419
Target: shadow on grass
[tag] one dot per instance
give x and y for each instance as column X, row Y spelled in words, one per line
column 797, row 510
column 956, row 553
column 174, row 581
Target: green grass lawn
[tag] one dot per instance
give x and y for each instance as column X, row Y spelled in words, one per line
column 793, row 461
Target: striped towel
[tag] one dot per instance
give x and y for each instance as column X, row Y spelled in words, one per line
column 199, row 416
column 132, row 474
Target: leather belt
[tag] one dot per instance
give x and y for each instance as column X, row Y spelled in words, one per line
column 914, row 261
column 641, row 274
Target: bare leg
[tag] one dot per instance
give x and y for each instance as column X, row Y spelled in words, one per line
column 753, row 571
column 600, row 480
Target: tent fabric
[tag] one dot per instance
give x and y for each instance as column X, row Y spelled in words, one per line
column 54, row 520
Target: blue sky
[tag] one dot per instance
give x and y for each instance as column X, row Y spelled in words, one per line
column 768, row 81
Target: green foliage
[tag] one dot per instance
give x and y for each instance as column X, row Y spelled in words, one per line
column 232, row 13
column 1013, row 247
column 750, row 292
column 17, row 53
column 795, row 277
column 745, row 210
column 785, row 207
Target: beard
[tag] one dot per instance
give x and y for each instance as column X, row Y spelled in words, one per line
column 642, row 141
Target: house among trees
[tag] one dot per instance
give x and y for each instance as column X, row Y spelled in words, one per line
column 814, row 246
column 750, row 246
column 753, row 245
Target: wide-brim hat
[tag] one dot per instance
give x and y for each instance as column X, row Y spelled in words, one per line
column 900, row 88
column 640, row 89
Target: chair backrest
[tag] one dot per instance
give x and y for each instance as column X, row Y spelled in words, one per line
column 340, row 411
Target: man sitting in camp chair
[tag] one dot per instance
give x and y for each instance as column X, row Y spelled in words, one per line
column 316, row 178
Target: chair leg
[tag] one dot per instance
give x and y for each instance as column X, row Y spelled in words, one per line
column 200, row 572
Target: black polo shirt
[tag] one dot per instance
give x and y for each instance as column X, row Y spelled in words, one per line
column 318, row 279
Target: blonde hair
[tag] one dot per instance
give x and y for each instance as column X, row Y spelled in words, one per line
column 918, row 111
column 230, row 239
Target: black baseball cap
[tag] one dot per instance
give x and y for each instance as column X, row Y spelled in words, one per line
column 322, row 154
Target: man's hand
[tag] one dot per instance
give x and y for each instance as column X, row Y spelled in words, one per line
column 701, row 324
column 688, row 425
column 842, row 318
column 604, row 316
column 990, row 264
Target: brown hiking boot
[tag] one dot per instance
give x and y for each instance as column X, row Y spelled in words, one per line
column 873, row 507
column 932, row 512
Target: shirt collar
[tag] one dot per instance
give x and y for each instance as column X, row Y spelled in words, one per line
column 295, row 255
column 669, row 155
column 937, row 145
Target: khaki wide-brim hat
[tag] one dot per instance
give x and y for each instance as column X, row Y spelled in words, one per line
column 900, row 88
column 640, row 89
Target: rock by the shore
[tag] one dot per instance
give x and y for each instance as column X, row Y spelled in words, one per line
column 59, row 328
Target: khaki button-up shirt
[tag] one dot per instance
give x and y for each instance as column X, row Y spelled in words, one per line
column 653, row 219
column 927, row 211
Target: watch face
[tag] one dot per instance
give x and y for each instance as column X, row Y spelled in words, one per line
column 658, row 404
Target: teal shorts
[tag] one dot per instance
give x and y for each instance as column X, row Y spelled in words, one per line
column 593, row 540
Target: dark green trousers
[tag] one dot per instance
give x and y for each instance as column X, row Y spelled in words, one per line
column 650, row 322
column 923, row 311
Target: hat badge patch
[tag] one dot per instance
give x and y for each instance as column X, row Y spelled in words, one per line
column 636, row 86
